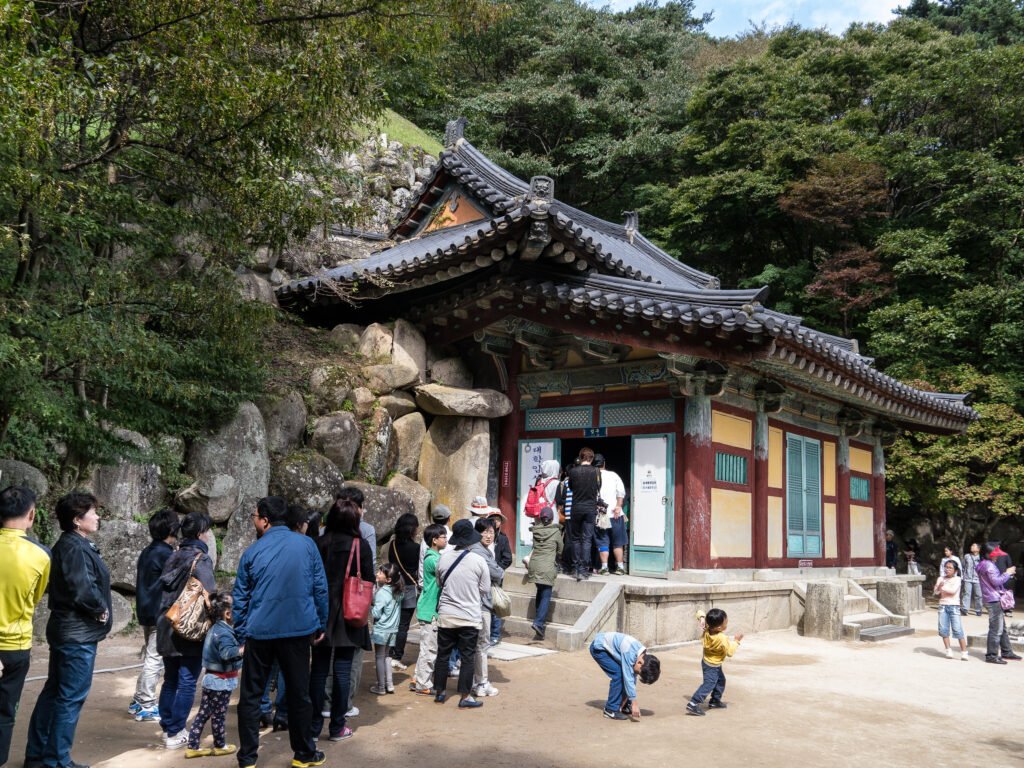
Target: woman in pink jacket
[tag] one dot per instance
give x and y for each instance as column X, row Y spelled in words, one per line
column 992, row 581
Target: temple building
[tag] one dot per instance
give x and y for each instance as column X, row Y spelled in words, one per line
column 745, row 439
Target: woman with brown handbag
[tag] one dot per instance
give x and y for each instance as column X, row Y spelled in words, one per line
column 183, row 658
column 344, row 553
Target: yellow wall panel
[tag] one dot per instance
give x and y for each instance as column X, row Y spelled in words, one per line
column 862, row 542
column 731, row 430
column 774, row 526
column 829, row 532
column 731, row 529
column 775, row 458
column 829, row 486
column 860, row 460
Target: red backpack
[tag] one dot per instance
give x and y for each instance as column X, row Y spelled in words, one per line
column 536, row 497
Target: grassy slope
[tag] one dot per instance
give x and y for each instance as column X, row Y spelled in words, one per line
column 399, row 129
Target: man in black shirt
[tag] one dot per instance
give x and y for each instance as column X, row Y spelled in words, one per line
column 584, row 482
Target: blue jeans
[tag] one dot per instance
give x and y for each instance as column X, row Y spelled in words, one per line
column 51, row 731
column 496, row 624
column 612, row 668
column 949, row 621
column 972, row 596
column 279, row 703
column 178, row 691
column 714, row 683
column 341, row 675
column 543, row 603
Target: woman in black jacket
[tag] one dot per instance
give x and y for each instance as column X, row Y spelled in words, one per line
column 80, row 616
column 341, row 534
column 183, row 659
column 405, row 553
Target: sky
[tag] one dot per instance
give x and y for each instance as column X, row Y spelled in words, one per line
column 733, row 17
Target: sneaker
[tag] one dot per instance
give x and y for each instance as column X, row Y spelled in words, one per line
column 176, row 740
column 282, row 725
column 379, row 690
column 694, row 709
column 1011, row 657
column 266, row 719
column 486, row 689
column 719, row 704
column 470, row 703
column 190, row 753
column 227, row 749
column 325, row 713
column 439, row 697
column 964, row 656
column 995, row 660
column 342, row 735
column 317, row 758
column 615, row 715
column 949, row 653
column 603, row 571
column 397, row 664
column 620, row 571
column 147, row 715
column 354, row 712
column 454, row 672
column 537, row 631
column 134, row 707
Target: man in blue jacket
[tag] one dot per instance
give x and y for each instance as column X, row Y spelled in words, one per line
column 280, row 608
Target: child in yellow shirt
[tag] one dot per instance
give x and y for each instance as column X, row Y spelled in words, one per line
column 717, row 645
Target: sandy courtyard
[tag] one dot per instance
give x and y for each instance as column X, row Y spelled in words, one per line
column 792, row 701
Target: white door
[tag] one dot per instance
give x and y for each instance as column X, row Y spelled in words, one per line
column 651, row 505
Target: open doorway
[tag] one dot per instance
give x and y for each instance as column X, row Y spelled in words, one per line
column 617, row 452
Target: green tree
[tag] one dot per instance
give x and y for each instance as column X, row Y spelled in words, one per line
column 148, row 149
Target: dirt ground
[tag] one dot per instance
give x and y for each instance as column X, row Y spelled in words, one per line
column 792, row 701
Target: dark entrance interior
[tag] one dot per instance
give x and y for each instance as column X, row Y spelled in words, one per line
column 618, row 457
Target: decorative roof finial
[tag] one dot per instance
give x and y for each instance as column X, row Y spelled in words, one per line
column 542, row 188
column 632, row 224
column 454, row 130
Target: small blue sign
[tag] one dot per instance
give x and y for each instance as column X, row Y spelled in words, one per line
column 595, row 432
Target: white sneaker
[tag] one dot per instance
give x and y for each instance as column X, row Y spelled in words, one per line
column 354, row 712
column 325, row 714
column 176, row 741
column 949, row 653
column 396, row 664
column 486, row 689
column 964, row 656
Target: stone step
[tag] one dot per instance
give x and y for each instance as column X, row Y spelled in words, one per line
column 516, row 626
column 886, row 632
column 867, row 620
column 562, row 611
column 564, row 587
column 855, row 604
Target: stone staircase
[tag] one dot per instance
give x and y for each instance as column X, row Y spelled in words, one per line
column 579, row 609
column 864, row 618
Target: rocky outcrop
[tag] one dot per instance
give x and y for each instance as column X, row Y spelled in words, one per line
column 284, row 417
column 121, row 609
column 330, row 387
column 255, row 287
column 239, row 450
column 213, row 495
column 398, row 404
column 119, row 543
column 383, row 506
column 346, row 336
column 452, row 401
column 307, row 478
column 380, row 379
column 337, row 436
column 454, row 459
column 128, row 489
column 409, row 348
column 375, row 344
column 451, row 372
column 419, row 495
column 19, row 473
column 408, row 441
column 362, row 401
column 238, row 536
column 375, row 447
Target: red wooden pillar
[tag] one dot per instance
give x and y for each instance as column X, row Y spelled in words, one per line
column 878, row 495
column 678, row 475
column 508, row 452
column 760, row 487
column 843, row 500
column 700, row 463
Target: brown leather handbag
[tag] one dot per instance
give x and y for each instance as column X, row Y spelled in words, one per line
column 189, row 614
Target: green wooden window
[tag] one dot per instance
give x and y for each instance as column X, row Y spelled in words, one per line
column 730, row 468
column 860, row 489
column 803, row 496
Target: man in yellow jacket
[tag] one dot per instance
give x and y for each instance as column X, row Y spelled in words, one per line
column 26, row 573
